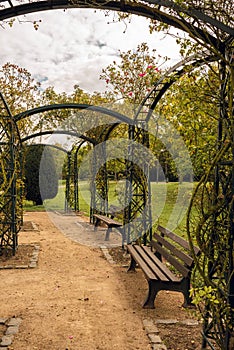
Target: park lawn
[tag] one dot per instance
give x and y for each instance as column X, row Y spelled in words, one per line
column 169, row 201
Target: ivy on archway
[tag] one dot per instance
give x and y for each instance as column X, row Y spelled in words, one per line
column 210, row 25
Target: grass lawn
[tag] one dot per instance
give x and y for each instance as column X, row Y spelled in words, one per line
column 169, row 201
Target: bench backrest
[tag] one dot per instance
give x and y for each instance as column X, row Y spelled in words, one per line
column 174, row 249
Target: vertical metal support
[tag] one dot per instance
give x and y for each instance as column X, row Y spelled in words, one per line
column 76, row 178
column 230, row 275
column 137, row 213
column 9, row 223
column 68, row 179
column 21, row 189
column 221, row 261
column 99, row 181
column 99, row 184
column 76, row 184
column 13, row 192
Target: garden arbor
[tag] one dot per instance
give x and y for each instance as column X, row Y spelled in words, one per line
column 10, row 206
column 68, row 153
column 210, row 25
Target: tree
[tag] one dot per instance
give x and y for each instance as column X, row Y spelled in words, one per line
column 133, row 77
column 192, row 108
column 21, row 92
column 41, row 181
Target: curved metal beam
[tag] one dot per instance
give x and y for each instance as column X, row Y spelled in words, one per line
column 92, row 108
column 60, row 132
column 194, row 13
column 47, row 145
column 140, row 9
column 167, row 79
column 106, row 132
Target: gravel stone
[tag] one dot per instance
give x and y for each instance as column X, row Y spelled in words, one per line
column 6, row 340
column 12, row 330
column 14, row 321
column 151, row 329
column 154, row 338
column 167, row 321
column 147, row 322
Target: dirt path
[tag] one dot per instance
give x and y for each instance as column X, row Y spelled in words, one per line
column 74, row 299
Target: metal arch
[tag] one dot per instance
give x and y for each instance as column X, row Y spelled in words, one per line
column 60, row 132
column 98, row 184
column 139, row 183
column 167, row 79
column 194, row 13
column 47, row 144
column 93, row 108
column 68, row 175
column 99, row 203
column 140, row 9
column 85, row 139
column 103, row 136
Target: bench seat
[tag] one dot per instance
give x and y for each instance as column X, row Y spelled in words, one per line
column 166, row 264
column 111, row 223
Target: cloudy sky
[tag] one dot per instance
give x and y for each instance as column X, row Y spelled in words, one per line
column 71, row 47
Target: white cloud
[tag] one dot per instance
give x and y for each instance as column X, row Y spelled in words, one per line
column 71, row 47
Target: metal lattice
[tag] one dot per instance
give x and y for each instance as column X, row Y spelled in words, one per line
column 216, row 33
column 99, row 182
column 138, row 189
column 10, row 206
column 137, row 214
column 220, row 260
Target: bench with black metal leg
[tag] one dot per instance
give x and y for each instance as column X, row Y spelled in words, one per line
column 110, row 223
column 167, row 264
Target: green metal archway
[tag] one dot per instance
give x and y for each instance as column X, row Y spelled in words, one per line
column 215, row 34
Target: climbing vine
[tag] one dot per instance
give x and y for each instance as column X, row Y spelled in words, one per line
column 210, row 224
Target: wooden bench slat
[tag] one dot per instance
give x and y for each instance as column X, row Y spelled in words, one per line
column 107, row 220
column 179, row 253
column 145, row 268
column 163, row 269
column 177, row 239
column 111, row 223
column 148, row 258
column 158, row 274
column 180, row 267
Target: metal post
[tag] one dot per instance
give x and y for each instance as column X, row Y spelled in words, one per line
column 68, row 176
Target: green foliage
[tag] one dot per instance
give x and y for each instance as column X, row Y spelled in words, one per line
column 199, row 294
column 208, row 224
column 193, row 110
column 41, row 181
column 199, row 21
column 18, row 87
column 134, row 75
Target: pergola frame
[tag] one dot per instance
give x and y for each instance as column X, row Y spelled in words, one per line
column 222, row 49
column 68, row 153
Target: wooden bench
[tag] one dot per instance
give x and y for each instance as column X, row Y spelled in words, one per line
column 110, row 223
column 166, row 264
